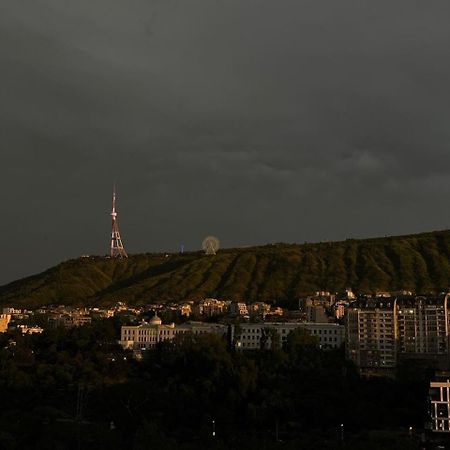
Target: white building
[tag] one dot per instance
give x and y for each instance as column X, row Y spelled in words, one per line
column 148, row 334
column 254, row 336
column 440, row 405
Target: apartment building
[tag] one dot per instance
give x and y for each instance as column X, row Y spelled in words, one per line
column 439, row 419
column 210, row 307
column 370, row 334
column 423, row 325
column 382, row 331
column 69, row 320
column 238, row 309
column 258, row 310
column 4, row 321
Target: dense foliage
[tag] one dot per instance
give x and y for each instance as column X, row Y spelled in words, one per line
column 76, row 390
column 274, row 273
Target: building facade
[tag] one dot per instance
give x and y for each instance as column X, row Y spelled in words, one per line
column 380, row 332
column 210, row 307
column 370, row 334
column 440, row 405
column 4, row 321
column 148, row 334
column 255, row 336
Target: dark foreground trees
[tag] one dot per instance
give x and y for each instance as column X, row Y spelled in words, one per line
column 77, row 390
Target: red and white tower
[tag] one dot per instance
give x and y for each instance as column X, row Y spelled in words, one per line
column 116, row 249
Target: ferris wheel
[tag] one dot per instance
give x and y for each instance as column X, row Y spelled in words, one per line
column 210, row 245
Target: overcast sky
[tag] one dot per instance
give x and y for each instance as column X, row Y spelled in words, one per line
column 253, row 120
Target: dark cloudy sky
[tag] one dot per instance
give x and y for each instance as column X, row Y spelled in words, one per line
column 254, row 120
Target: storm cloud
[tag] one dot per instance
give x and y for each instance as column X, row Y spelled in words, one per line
column 255, row 120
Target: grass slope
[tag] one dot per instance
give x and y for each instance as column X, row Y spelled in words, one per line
column 273, row 273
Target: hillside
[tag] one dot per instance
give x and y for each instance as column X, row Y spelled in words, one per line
column 274, row 273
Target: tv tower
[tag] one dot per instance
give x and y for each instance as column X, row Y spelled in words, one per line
column 116, row 249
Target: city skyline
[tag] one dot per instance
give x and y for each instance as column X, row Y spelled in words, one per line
column 224, row 224
column 256, row 122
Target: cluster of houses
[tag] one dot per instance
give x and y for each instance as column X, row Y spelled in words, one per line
column 35, row 321
column 212, row 307
column 380, row 332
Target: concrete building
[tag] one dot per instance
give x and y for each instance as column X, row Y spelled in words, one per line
column 440, row 404
column 318, row 307
column 148, row 334
column 370, row 334
column 210, row 307
column 339, row 309
column 185, row 309
column 258, row 310
column 238, row 309
column 254, row 336
column 69, row 320
column 382, row 331
column 25, row 329
column 98, row 313
column 316, row 313
column 321, row 298
column 422, row 325
column 11, row 311
column 4, row 321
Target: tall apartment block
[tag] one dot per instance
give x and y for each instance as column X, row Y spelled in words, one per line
column 382, row 331
column 439, row 417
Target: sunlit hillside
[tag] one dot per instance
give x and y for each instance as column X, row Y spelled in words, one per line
column 275, row 273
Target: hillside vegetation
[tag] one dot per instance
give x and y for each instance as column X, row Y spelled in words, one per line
column 277, row 273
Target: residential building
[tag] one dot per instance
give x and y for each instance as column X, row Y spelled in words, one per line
column 321, row 298
column 276, row 311
column 210, row 307
column 97, row 313
column 370, row 334
column 185, row 309
column 318, row 307
column 25, row 329
column 439, row 420
column 4, row 321
column 69, row 320
column 423, row 325
column 238, row 309
column 339, row 309
column 316, row 313
column 11, row 311
column 380, row 332
column 258, row 310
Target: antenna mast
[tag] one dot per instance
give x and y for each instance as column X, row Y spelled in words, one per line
column 116, row 249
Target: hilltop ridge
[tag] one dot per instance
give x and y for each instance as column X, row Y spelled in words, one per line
column 275, row 273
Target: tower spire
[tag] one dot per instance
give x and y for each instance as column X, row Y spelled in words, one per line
column 116, row 249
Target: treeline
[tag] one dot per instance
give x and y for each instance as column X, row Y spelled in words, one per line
column 75, row 389
column 273, row 273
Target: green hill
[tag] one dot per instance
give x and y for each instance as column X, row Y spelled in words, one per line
column 274, row 273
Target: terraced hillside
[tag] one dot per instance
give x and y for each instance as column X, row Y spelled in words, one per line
column 273, row 273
